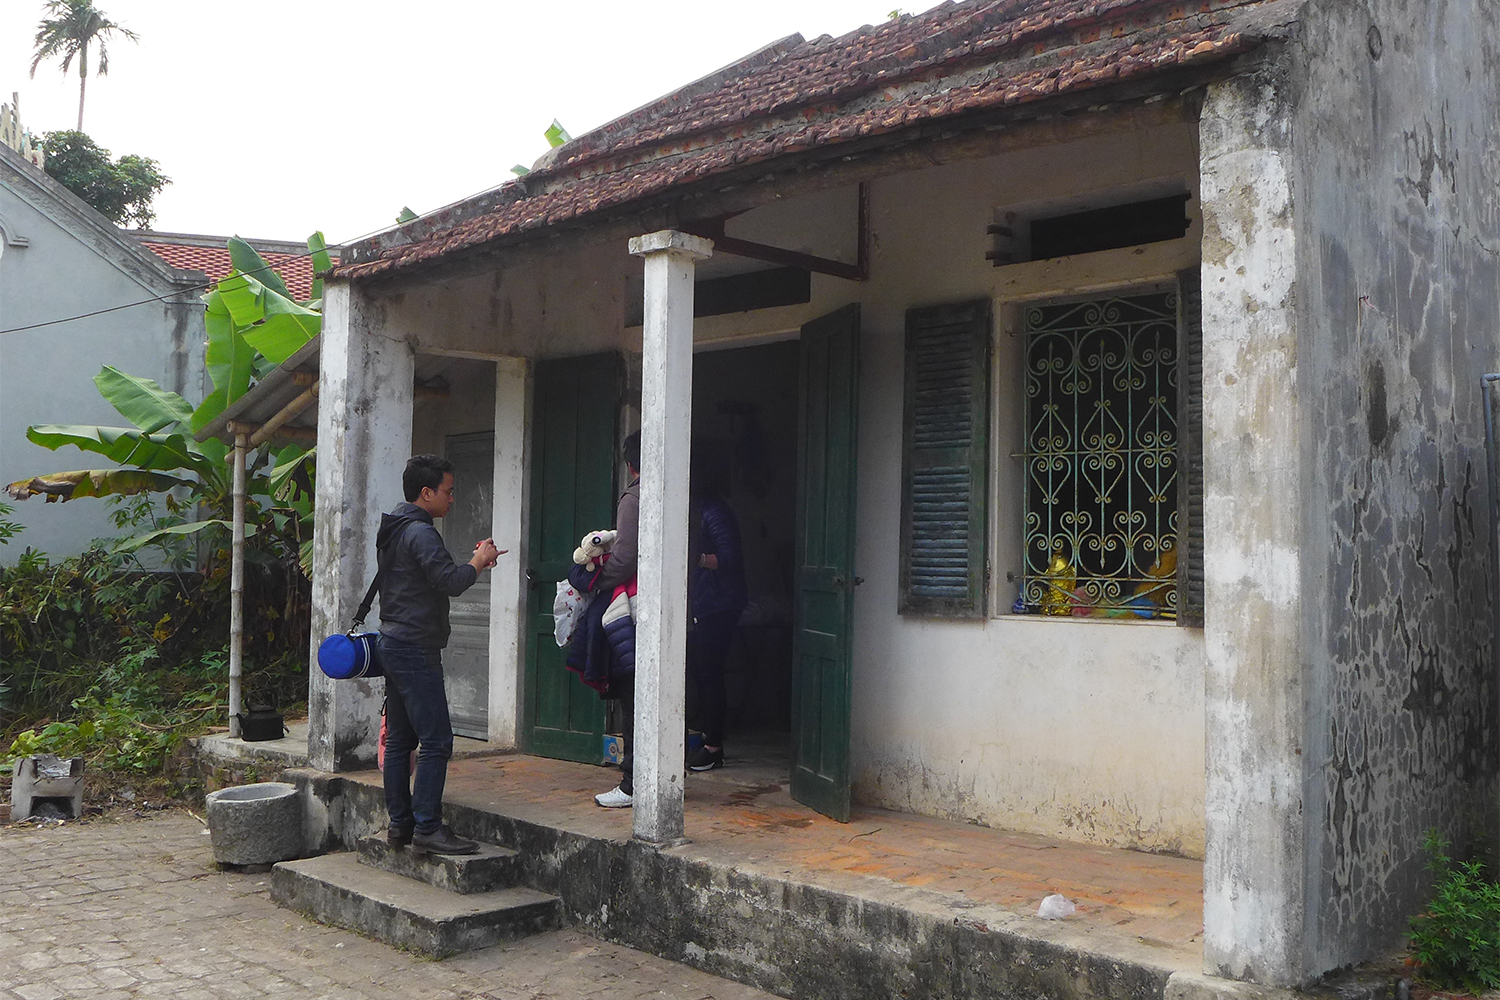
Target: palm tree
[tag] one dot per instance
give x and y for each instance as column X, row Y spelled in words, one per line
column 67, row 31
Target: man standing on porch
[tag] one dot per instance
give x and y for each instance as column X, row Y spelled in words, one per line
column 617, row 571
column 417, row 578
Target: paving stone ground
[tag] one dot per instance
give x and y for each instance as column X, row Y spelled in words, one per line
column 135, row 908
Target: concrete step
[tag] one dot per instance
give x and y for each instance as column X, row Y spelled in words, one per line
column 336, row 889
column 486, row 870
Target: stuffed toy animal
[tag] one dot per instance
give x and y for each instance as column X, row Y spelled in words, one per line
column 593, row 547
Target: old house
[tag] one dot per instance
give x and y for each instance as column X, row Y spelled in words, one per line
column 1098, row 387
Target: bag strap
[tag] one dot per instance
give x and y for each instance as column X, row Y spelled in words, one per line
column 381, row 562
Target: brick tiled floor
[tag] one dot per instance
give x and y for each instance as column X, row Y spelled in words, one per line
column 108, row 910
column 744, row 814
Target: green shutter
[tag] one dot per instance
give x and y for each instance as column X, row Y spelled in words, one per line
column 1190, row 443
column 945, row 461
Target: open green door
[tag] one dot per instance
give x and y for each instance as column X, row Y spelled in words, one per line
column 828, row 411
column 576, row 403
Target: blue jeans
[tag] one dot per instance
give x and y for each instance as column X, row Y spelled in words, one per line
column 416, row 718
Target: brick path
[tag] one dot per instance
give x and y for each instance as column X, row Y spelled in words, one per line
column 136, row 908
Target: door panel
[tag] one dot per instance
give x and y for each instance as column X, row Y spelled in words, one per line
column 466, row 661
column 576, row 403
column 828, row 411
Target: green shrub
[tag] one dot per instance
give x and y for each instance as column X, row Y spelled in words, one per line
column 112, row 736
column 1456, row 940
column 116, row 664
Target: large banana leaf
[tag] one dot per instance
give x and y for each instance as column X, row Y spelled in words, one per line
column 191, row 528
column 270, row 322
column 124, row 445
column 285, row 328
column 320, row 262
column 292, row 474
column 229, row 361
column 247, row 261
column 142, row 401
column 93, row 483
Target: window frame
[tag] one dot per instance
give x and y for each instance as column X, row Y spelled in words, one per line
column 1008, row 437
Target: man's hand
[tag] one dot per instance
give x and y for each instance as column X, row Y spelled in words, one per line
column 486, row 555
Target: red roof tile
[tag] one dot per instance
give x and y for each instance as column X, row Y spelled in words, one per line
column 795, row 96
column 295, row 269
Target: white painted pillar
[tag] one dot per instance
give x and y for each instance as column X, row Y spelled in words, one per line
column 1256, row 874
column 508, row 588
column 661, row 603
column 365, row 393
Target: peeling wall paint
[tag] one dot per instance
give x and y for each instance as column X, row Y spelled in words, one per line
column 1398, row 197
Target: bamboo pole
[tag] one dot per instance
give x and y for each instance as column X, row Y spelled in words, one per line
column 237, row 584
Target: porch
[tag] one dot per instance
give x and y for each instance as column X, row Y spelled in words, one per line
column 766, row 891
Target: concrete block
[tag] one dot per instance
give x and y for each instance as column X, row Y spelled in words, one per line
column 46, row 777
column 336, row 889
column 487, row 869
column 255, row 824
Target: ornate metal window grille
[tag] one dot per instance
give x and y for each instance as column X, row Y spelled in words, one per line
column 1101, row 457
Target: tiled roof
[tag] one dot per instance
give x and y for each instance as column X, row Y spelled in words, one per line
column 796, row 96
column 295, row 269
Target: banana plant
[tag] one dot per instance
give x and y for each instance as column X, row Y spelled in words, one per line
column 253, row 325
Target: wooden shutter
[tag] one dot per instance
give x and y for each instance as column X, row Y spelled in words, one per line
column 1190, row 445
column 945, row 467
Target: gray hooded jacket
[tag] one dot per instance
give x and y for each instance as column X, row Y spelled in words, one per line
column 420, row 576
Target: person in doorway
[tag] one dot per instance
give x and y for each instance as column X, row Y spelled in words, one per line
column 418, row 579
column 619, row 571
column 717, row 595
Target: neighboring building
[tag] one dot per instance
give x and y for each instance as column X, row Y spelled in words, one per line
column 1168, row 317
column 59, row 258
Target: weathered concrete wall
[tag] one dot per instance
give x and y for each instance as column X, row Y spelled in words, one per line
column 1252, row 384
column 366, row 382
column 1397, row 184
column 59, row 258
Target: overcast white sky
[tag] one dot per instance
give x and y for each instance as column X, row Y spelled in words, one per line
column 275, row 118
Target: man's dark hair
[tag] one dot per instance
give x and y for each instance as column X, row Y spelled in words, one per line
column 630, row 450
column 423, row 472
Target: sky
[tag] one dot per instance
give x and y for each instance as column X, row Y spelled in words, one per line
column 278, row 118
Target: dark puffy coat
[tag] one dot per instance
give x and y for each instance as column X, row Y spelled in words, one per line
column 717, row 532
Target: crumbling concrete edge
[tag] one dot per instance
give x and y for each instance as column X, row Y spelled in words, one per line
column 826, row 941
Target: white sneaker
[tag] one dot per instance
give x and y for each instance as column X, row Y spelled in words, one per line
column 615, row 798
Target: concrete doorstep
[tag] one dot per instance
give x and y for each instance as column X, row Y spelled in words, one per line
column 406, row 913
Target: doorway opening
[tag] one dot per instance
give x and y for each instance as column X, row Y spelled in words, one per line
column 745, row 414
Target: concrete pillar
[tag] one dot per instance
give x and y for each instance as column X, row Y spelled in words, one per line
column 1255, row 867
column 661, row 604
column 508, row 589
column 365, row 393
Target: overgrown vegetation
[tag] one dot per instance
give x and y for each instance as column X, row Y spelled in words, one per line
column 110, row 662
column 1456, row 940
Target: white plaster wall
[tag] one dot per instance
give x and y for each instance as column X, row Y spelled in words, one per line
column 46, row 374
column 1087, row 730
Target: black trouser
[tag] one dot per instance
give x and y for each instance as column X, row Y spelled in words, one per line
column 707, row 650
column 626, row 689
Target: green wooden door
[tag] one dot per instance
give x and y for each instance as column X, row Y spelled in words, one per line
column 575, row 406
column 828, row 412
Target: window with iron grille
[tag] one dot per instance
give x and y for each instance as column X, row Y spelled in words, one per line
column 1102, row 455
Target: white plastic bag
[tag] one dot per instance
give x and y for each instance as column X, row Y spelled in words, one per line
column 1056, row 907
column 567, row 608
